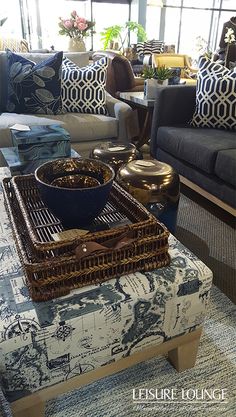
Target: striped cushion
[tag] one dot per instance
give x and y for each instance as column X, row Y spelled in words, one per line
column 150, row 47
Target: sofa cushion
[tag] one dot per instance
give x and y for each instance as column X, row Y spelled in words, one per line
column 199, row 147
column 34, row 88
column 81, row 127
column 211, row 183
column 83, row 89
column 225, row 167
column 216, row 96
column 79, row 58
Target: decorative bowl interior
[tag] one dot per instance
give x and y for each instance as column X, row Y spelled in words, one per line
column 75, row 189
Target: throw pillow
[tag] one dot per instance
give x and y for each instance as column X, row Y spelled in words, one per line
column 175, row 78
column 83, row 89
column 34, row 88
column 215, row 96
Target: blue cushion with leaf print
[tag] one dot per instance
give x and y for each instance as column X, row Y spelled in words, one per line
column 34, row 88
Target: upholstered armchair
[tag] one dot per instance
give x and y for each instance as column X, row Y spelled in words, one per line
column 16, row 45
column 120, row 76
column 176, row 61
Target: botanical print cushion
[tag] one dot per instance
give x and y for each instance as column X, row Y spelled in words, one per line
column 34, row 88
column 83, row 89
column 216, row 96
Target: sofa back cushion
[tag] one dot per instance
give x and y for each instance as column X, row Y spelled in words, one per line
column 215, row 97
column 79, row 58
column 34, row 88
column 83, row 89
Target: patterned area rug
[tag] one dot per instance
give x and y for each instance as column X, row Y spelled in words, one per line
column 215, row 369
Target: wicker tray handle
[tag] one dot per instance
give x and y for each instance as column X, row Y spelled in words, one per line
column 87, row 248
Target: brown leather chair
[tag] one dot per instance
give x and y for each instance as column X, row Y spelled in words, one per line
column 120, row 76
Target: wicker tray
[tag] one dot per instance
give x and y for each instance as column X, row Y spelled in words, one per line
column 52, row 268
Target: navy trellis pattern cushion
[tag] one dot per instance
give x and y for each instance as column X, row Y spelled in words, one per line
column 215, row 97
column 83, row 89
column 34, row 88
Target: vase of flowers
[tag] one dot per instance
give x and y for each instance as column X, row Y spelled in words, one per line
column 229, row 40
column 76, row 28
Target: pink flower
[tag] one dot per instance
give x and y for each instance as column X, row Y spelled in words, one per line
column 67, row 24
column 82, row 26
column 74, row 13
column 81, row 20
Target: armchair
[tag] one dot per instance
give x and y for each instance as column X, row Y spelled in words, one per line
column 120, row 76
column 16, row 45
column 175, row 61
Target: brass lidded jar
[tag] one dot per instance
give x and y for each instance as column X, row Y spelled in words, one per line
column 155, row 184
column 115, row 154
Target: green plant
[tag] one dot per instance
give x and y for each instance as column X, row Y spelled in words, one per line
column 148, row 72
column 120, row 34
column 163, row 73
column 160, row 73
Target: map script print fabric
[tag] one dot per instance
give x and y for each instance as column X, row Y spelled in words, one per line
column 42, row 344
column 215, row 97
column 83, row 89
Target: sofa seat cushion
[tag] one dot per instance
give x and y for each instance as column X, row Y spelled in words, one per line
column 82, row 127
column 199, row 147
column 225, row 166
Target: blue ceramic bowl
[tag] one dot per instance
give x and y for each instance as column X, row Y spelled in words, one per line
column 75, row 189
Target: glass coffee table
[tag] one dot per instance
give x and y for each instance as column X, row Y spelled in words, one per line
column 18, row 168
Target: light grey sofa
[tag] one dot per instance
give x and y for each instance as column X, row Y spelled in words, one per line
column 86, row 130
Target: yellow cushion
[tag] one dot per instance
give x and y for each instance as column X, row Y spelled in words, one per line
column 169, row 61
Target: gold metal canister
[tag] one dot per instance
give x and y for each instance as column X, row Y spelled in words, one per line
column 154, row 184
column 115, row 154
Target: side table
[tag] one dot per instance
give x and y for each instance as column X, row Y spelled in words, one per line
column 137, row 101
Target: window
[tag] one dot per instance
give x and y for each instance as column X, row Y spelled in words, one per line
column 12, row 27
column 191, row 29
column 153, row 18
column 105, row 15
column 49, row 18
column 183, row 21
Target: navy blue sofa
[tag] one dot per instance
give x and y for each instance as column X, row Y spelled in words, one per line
column 204, row 157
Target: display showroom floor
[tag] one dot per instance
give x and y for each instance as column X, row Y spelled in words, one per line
column 210, row 234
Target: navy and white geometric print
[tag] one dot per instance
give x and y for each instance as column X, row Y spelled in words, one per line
column 216, row 96
column 83, row 89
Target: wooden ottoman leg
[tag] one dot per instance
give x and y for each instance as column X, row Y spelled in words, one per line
column 184, row 356
column 36, row 410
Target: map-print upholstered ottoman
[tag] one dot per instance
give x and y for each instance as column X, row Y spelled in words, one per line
column 51, row 347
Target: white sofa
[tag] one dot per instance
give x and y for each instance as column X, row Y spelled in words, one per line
column 86, row 130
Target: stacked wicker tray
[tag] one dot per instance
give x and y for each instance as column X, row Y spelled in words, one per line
column 52, row 267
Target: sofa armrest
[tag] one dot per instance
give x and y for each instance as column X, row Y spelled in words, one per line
column 174, row 105
column 126, row 117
